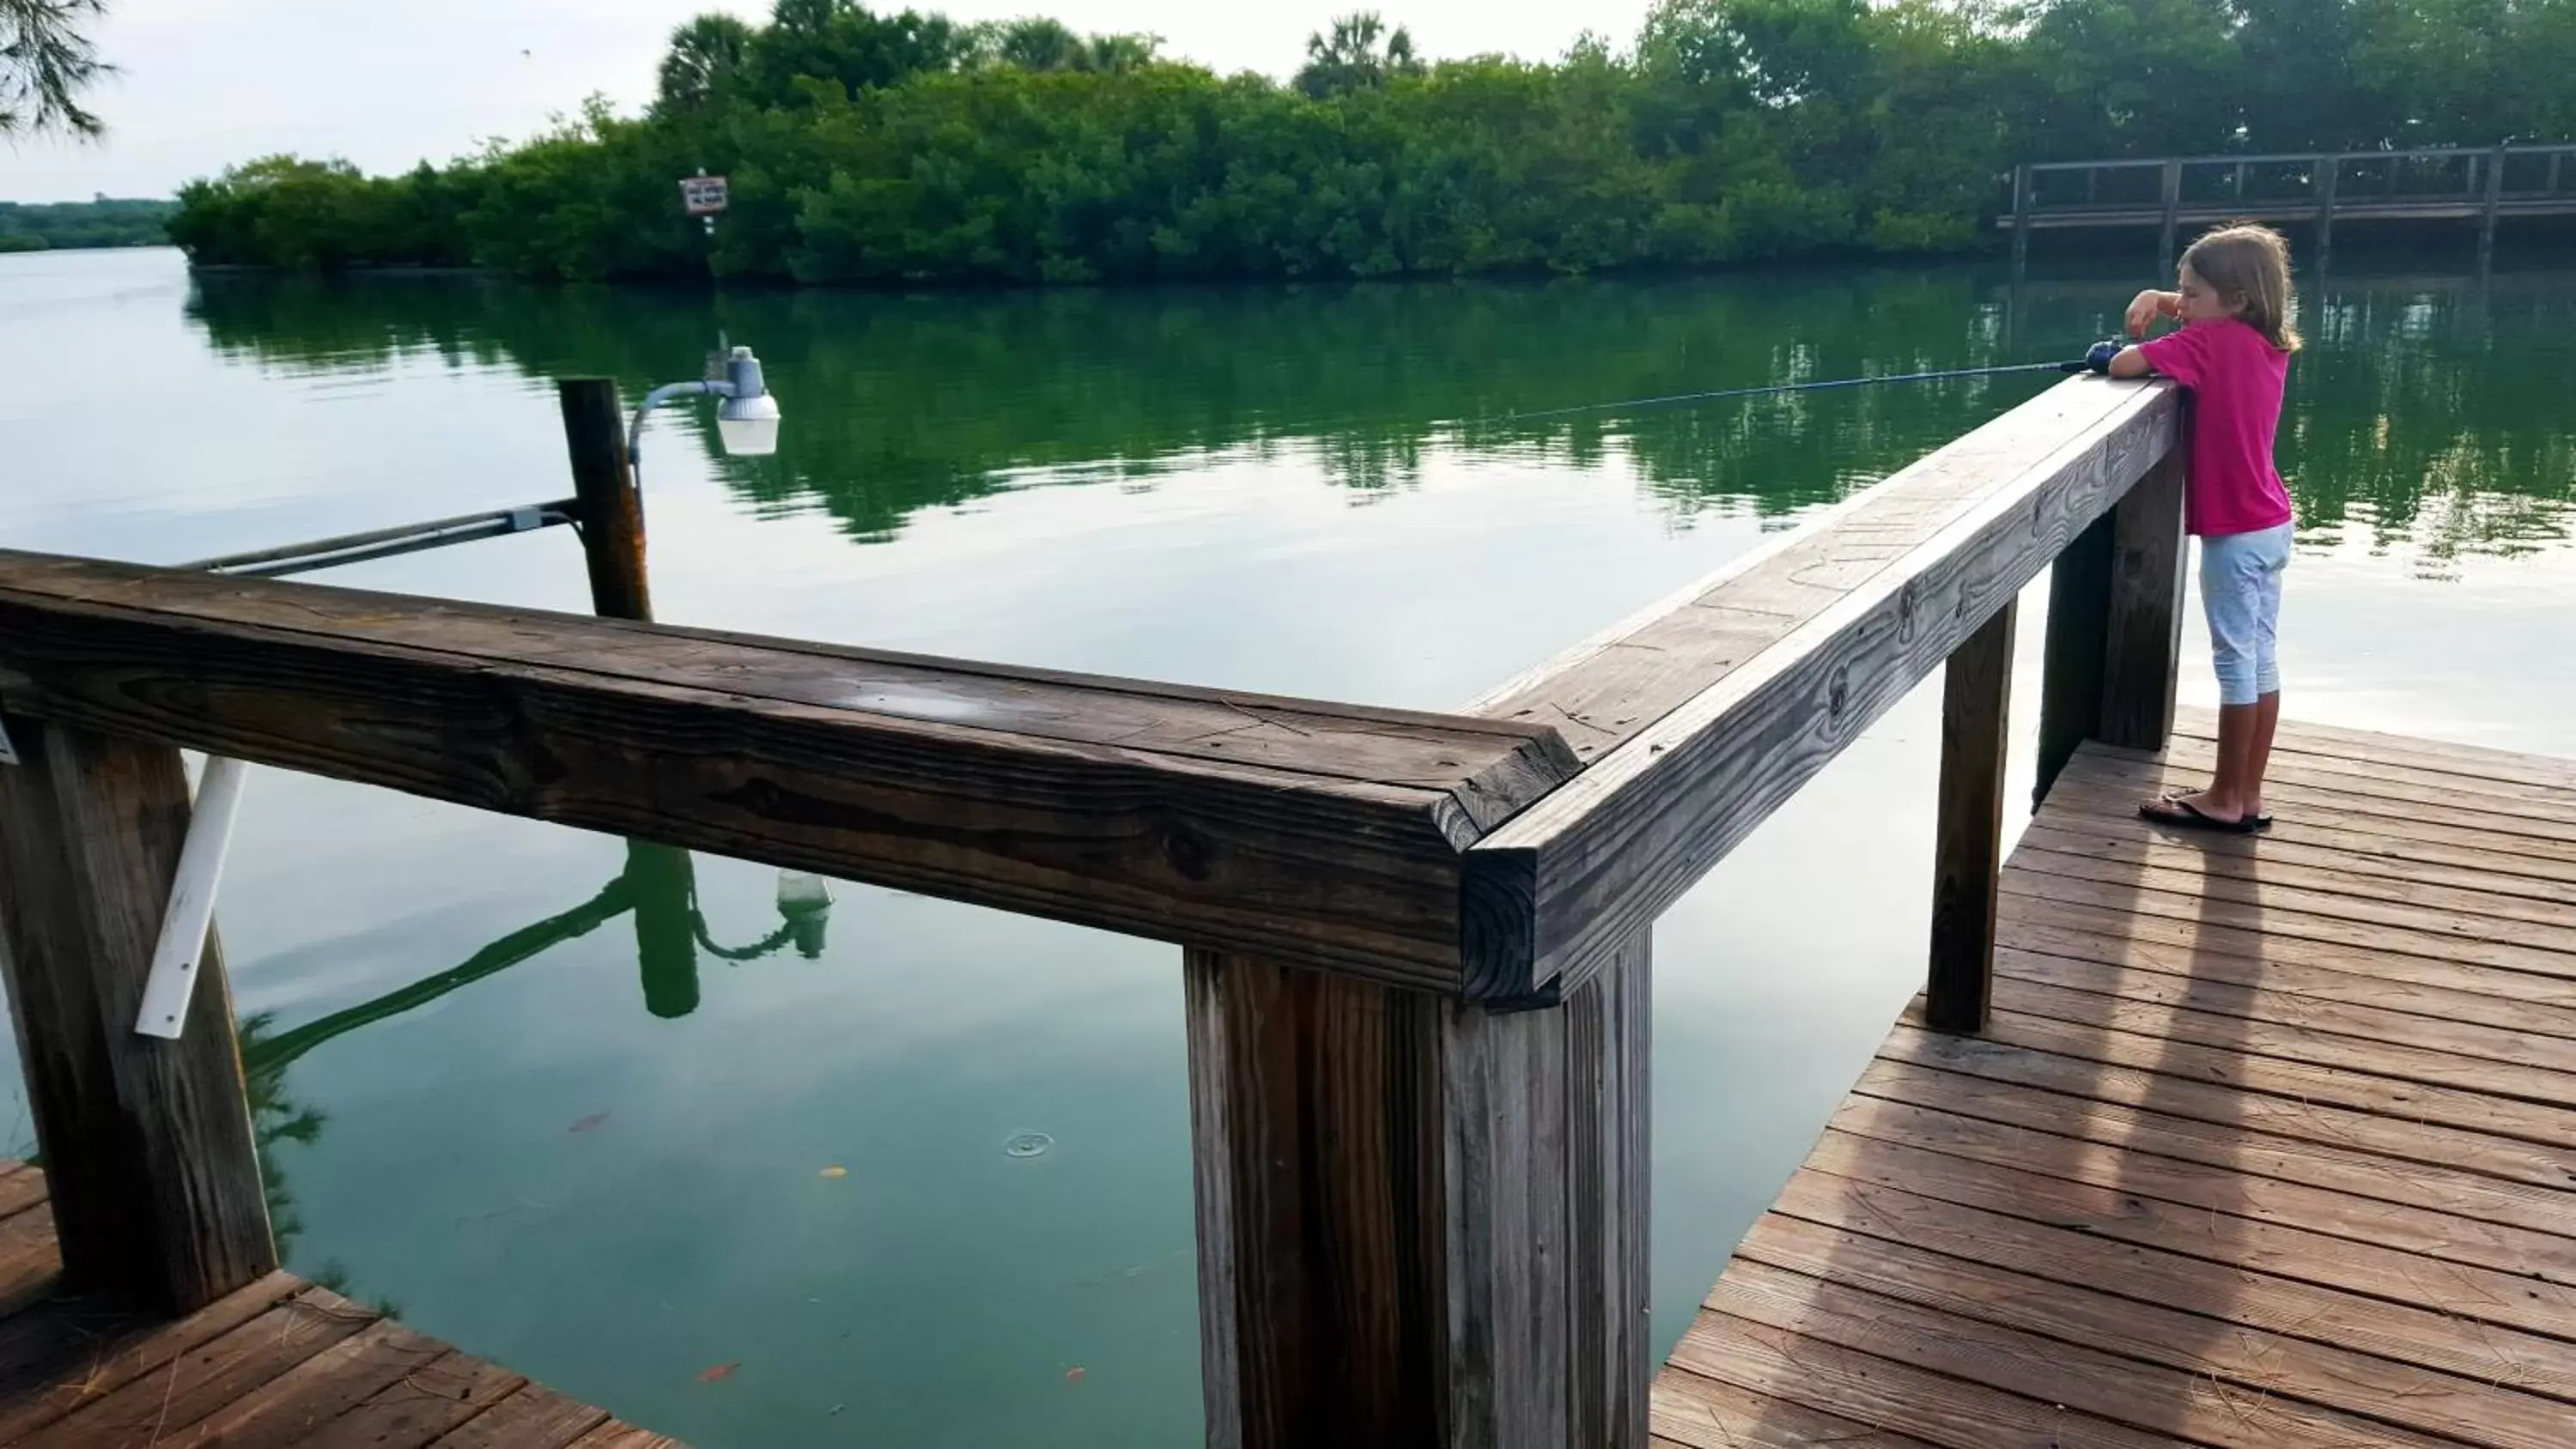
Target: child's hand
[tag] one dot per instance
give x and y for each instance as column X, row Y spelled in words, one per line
column 2150, row 305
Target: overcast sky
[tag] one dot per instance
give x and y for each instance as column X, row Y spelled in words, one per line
column 208, row 82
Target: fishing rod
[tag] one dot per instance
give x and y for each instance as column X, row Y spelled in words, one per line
column 2094, row 361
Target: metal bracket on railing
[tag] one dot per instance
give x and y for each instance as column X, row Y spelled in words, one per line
column 190, row 916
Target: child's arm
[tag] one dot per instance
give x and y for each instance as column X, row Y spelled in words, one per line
column 2147, row 306
column 2131, row 362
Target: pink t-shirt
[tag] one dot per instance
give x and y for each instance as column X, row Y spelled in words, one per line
column 2236, row 377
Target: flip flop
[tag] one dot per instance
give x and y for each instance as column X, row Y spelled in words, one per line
column 2183, row 815
column 2170, row 797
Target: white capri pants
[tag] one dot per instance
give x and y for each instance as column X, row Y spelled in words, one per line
column 2240, row 588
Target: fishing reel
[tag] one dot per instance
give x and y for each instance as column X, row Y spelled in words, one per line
column 2097, row 358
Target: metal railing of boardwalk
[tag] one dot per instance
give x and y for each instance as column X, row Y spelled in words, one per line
column 2319, row 188
column 1415, row 945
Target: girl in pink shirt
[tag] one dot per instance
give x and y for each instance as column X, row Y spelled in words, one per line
column 2233, row 355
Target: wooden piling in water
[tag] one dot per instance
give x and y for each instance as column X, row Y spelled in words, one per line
column 612, row 508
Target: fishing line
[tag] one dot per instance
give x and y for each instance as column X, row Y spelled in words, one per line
column 1680, row 399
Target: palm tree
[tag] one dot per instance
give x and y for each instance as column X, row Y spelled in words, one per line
column 1350, row 59
column 46, row 61
column 705, row 55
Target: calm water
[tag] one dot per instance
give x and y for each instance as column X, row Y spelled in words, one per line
column 611, row 1169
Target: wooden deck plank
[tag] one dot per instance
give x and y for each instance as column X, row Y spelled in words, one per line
column 2106, row 933
column 2271, row 1141
column 2226, row 1191
column 2355, row 841
column 2405, row 1334
column 2337, row 1001
column 278, row 1363
column 534, row 1417
column 2446, row 1406
column 2303, row 1102
column 2251, row 1034
column 2229, row 1144
column 2290, row 861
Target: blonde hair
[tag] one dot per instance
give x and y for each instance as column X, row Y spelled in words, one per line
column 2249, row 267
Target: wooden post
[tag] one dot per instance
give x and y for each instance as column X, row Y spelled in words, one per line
column 2079, row 613
column 1968, row 849
column 2551, row 186
column 612, row 509
column 1420, row 1222
column 2332, row 165
column 2494, row 179
column 2021, row 219
column 2142, row 634
column 2173, row 215
column 147, row 1146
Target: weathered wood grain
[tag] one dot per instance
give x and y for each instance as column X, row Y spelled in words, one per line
column 2266, row 1142
column 154, row 1182
column 1968, row 836
column 1600, row 857
column 532, row 1418
column 2071, row 656
column 1420, row 1221
column 2142, row 636
column 1324, row 835
column 612, row 509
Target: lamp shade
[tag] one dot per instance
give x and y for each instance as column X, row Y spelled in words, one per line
column 748, row 426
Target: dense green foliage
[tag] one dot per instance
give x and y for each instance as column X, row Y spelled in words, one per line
column 889, row 149
column 106, row 222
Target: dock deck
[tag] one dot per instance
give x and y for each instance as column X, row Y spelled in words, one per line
column 279, row 1363
column 2271, row 1142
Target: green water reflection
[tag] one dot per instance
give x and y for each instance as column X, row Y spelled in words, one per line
column 2423, row 409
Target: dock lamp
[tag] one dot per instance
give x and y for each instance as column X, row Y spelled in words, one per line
column 746, row 415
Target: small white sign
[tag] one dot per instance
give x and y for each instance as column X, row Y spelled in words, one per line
column 704, row 195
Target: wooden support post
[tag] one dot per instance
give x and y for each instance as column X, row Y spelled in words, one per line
column 2551, row 186
column 2142, row 635
column 2079, row 614
column 2021, row 220
column 612, row 509
column 2331, row 166
column 1420, row 1222
column 147, row 1146
column 1968, row 848
column 2165, row 251
column 2494, row 179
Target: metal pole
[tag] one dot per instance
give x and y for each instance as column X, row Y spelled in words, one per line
column 2173, row 214
column 2495, row 199
column 2326, row 205
column 610, row 508
column 2021, row 219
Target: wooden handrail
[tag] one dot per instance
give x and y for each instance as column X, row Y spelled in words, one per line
column 1329, row 835
column 2420, row 153
column 1700, row 721
column 1417, row 983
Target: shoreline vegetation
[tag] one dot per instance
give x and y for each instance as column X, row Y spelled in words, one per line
column 83, row 225
column 907, row 149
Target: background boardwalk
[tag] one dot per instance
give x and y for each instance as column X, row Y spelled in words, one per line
column 2270, row 1142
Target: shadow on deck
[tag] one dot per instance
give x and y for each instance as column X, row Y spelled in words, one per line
column 2271, row 1141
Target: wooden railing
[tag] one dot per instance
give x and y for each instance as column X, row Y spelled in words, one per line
column 1416, row 956
column 2484, row 185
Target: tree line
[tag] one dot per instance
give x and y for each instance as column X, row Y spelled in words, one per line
column 893, row 149
column 106, row 222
